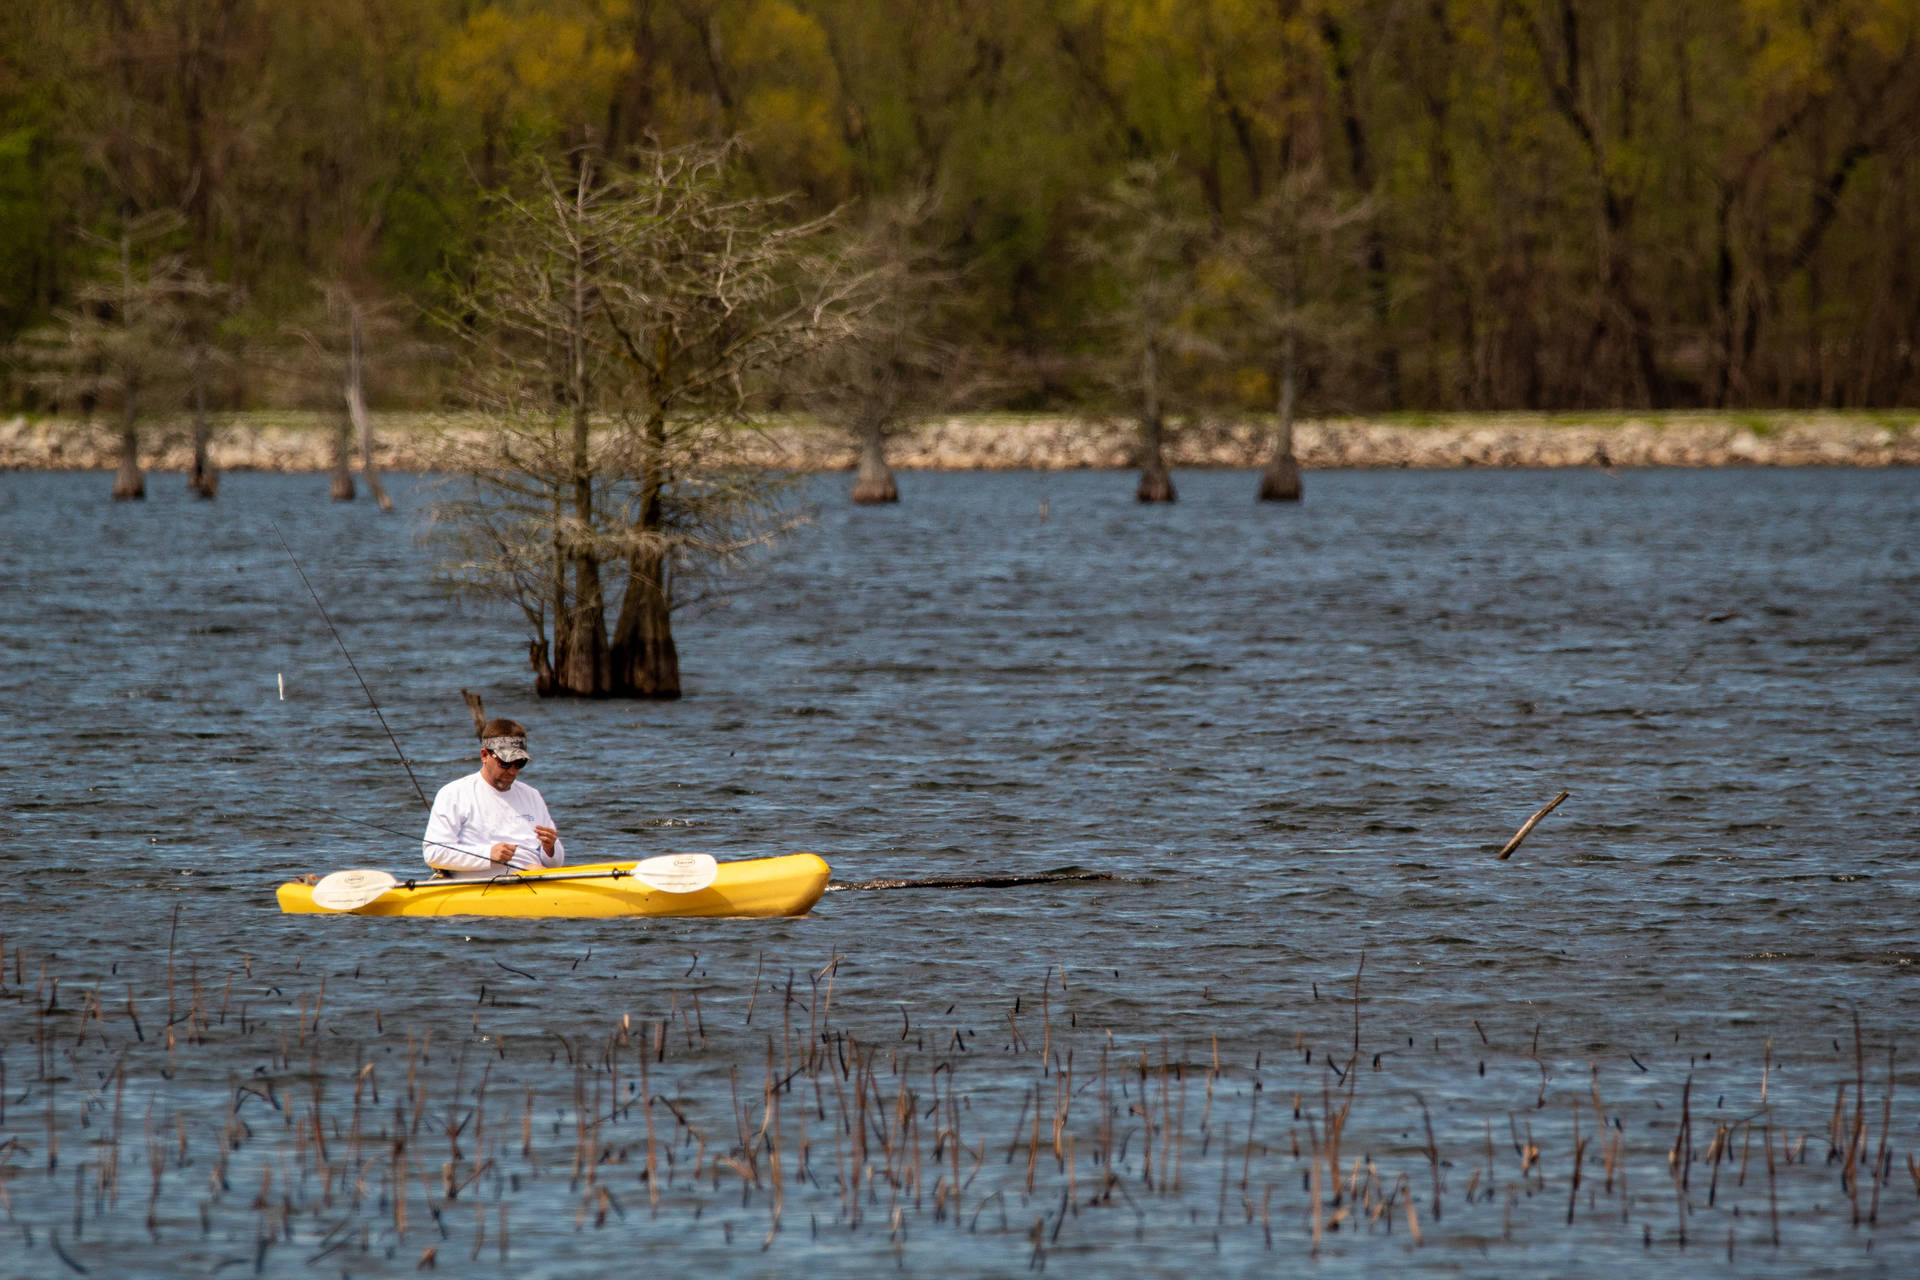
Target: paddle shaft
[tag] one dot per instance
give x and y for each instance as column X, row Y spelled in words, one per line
column 427, row 882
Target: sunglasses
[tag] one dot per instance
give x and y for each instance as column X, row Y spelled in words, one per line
column 511, row 764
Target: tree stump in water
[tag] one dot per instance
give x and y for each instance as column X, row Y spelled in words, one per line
column 875, row 481
column 203, row 481
column 1156, row 485
column 128, row 483
column 1280, row 482
column 340, row 481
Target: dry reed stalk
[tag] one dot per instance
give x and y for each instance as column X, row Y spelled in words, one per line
column 1681, row 1155
column 813, row 1015
column 759, row 959
column 774, row 1162
column 1718, row 1151
column 172, row 929
column 1773, row 1197
column 786, row 1032
column 1336, row 1124
column 1179, row 1133
column 1061, row 1085
column 1579, row 1151
column 53, row 1133
column 1317, row 1210
column 398, row 1179
column 1226, row 1174
column 1433, row 1155
column 1033, row 1145
column 646, row 1117
column 1019, row 1122
column 1166, row 1122
column 1046, row 1027
column 1253, row 1116
column 1680, row 1205
column 1855, row 1133
column 86, row 1007
column 953, row 1133
column 1073, row 1178
column 1886, row 1125
column 579, row 1119
column 1362, row 968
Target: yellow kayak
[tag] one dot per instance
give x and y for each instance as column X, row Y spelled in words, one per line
column 784, row 886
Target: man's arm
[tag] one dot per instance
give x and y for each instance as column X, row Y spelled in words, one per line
column 552, row 852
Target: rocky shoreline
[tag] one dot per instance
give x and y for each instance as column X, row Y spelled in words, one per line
column 285, row 442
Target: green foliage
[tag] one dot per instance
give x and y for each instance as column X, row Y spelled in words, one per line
column 1574, row 202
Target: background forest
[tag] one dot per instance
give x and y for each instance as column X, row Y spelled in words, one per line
column 1437, row 204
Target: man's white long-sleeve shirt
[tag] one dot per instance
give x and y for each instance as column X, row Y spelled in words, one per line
column 470, row 817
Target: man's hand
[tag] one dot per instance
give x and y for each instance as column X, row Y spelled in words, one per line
column 547, row 836
column 502, row 853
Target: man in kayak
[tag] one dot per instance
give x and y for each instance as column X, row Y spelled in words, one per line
column 490, row 821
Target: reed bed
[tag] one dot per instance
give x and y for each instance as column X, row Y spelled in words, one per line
column 286, row 1118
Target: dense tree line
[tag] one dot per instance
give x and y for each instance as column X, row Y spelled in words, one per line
column 1421, row 203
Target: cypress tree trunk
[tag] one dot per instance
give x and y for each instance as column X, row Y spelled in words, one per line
column 357, row 412
column 128, row 483
column 580, row 658
column 202, row 481
column 646, row 664
column 1280, row 482
column 582, row 664
column 1156, row 485
column 874, row 483
column 644, row 660
column 340, row 480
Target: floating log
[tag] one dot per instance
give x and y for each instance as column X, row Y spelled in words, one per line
column 973, row 882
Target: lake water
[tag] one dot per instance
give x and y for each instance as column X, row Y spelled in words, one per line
column 1298, row 735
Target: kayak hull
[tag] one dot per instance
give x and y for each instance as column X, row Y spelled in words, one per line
column 783, row 886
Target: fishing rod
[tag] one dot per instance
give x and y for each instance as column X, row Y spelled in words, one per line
column 418, row 790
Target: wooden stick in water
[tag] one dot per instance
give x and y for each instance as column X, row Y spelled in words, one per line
column 1527, row 827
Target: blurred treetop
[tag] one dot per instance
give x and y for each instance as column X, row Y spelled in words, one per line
column 1571, row 203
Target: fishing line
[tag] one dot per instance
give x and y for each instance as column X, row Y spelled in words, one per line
column 418, row 790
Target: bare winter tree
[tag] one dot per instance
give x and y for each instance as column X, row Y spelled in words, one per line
column 337, row 340
column 612, row 330
column 1281, row 285
column 886, row 368
column 121, row 343
column 1152, row 253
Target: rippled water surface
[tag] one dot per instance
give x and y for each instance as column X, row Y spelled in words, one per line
column 1297, row 735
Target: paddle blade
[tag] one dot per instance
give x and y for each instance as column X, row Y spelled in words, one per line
column 677, row 872
column 348, row 890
